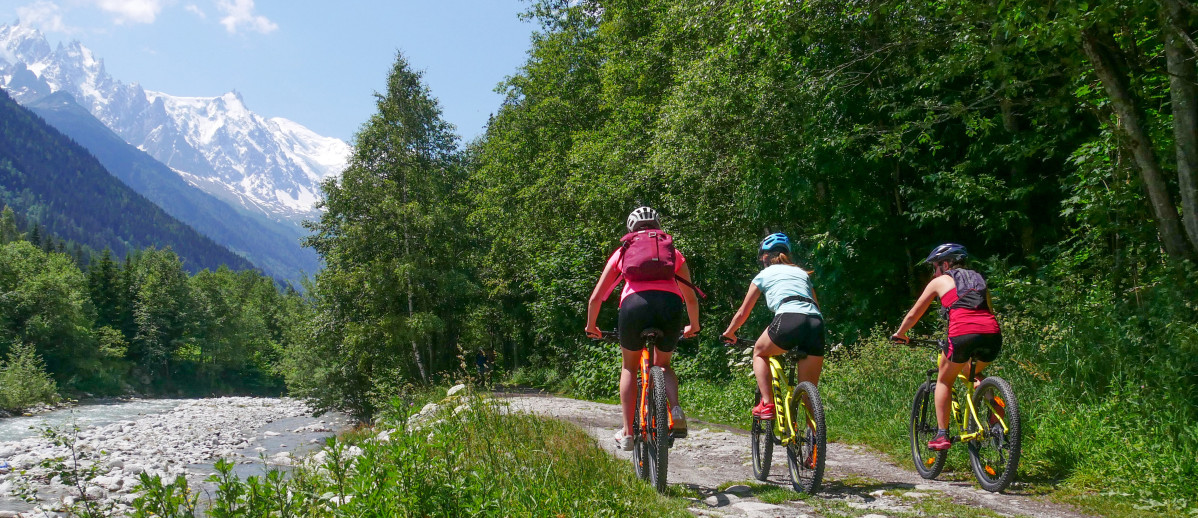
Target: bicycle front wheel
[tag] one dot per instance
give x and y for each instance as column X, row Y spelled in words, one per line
column 995, row 456
column 807, row 449
column 928, row 462
column 640, row 446
column 659, row 431
column 762, row 434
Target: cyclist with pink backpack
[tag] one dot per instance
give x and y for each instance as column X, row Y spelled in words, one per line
column 652, row 298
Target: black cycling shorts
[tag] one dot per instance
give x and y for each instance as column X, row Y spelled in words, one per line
column 790, row 330
column 980, row 347
column 645, row 309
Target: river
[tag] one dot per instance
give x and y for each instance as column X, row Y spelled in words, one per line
column 169, row 437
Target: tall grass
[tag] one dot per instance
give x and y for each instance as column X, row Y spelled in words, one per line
column 475, row 461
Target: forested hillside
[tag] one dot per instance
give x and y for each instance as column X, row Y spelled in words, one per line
column 50, row 179
column 139, row 324
column 1055, row 140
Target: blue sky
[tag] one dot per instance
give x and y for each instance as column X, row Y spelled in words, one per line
column 317, row 63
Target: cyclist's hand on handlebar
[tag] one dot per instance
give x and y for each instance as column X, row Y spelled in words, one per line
column 594, row 332
column 690, row 331
column 900, row 338
column 728, row 337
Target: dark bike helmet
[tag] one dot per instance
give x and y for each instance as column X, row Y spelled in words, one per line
column 947, row 252
column 776, row 242
column 642, row 216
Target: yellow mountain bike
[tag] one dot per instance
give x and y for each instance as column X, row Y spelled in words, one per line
column 984, row 416
column 798, row 425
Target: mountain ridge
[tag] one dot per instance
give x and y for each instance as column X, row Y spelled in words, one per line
column 53, row 180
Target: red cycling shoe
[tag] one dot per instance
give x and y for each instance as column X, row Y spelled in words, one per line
column 940, row 443
column 763, row 410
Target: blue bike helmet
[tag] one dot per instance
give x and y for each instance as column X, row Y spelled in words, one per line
column 947, row 252
column 776, row 242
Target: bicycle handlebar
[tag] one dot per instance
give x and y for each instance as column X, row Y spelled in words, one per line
column 614, row 337
column 920, row 342
column 740, row 342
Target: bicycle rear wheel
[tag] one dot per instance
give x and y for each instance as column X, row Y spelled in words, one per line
column 995, row 457
column 659, row 430
column 928, row 462
column 807, row 450
column 762, row 434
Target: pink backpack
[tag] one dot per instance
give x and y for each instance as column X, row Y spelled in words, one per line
column 648, row 255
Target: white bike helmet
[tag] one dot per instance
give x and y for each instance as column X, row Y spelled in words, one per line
column 642, row 215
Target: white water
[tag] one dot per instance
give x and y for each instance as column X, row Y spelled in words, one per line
column 97, row 413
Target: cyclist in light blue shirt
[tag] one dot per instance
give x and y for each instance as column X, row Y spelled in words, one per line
column 797, row 319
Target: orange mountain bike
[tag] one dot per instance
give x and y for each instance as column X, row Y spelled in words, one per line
column 652, row 424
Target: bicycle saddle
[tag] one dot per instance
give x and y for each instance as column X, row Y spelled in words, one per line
column 653, row 334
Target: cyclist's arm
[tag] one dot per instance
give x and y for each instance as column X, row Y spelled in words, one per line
column 607, row 281
column 921, row 305
column 746, row 307
column 688, row 295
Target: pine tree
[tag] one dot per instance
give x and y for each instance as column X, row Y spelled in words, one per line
column 104, row 283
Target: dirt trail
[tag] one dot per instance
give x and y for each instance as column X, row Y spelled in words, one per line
column 857, row 481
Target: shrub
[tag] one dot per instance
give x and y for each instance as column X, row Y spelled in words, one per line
column 24, row 381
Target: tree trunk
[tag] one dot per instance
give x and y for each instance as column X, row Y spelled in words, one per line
column 407, row 251
column 1183, row 90
column 1098, row 49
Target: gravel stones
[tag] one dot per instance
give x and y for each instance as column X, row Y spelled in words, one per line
column 195, row 432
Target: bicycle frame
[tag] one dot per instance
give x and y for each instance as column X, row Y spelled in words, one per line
column 781, row 381
column 783, row 386
column 957, row 414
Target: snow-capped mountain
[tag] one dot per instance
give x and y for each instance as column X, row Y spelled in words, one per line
column 270, row 166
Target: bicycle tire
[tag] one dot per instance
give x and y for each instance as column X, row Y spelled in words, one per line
column 807, row 451
column 995, row 458
column 928, row 462
column 640, row 447
column 762, row 437
column 659, row 433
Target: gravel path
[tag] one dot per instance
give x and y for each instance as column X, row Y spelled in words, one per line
column 185, row 440
column 857, row 481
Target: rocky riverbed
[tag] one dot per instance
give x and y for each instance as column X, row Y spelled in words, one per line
column 183, row 439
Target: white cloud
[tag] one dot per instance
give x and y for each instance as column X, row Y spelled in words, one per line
column 195, row 9
column 43, row 15
column 136, row 11
column 240, row 14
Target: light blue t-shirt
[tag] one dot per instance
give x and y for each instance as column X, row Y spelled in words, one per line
column 779, row 281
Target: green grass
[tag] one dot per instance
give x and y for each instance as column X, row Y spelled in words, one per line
column 481, row 461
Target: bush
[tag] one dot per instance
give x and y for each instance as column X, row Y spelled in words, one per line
column 24, row 381
column 479, row 461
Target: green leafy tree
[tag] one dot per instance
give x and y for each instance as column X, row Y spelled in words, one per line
column 390, row 241
column 8, row 226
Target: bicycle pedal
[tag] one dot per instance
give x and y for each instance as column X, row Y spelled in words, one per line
column 678, row 434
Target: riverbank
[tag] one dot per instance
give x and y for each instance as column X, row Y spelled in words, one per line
column 167, row 438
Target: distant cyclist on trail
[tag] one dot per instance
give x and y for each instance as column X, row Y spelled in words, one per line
column 797, row 319
column 652, row 298
column 973, row 332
